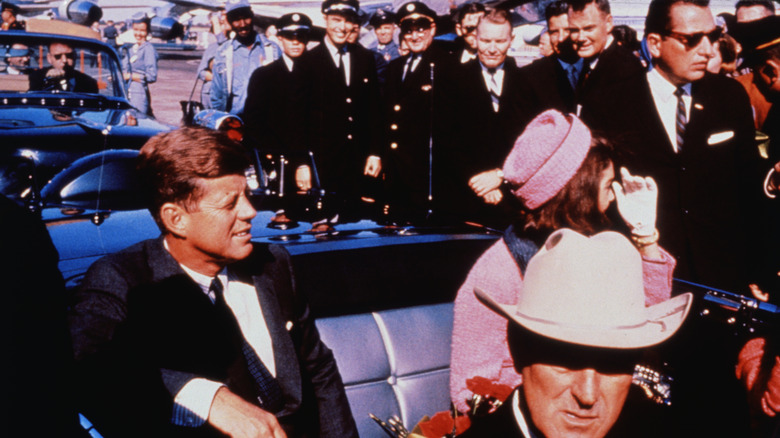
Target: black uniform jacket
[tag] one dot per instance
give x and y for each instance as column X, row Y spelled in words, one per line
column 344, row 122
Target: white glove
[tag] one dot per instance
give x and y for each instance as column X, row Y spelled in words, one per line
column 636, row 202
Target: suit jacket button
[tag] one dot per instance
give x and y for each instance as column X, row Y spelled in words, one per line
column 349, row 100
column 393, row 126
column 397, row 108
column 349, row 136
column 393, row 145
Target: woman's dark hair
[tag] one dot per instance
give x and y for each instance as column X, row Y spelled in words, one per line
column 575, row 206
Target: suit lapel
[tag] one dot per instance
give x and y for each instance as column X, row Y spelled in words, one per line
column 288, row 372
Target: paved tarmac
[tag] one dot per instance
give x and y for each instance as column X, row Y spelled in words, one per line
column 175, row 78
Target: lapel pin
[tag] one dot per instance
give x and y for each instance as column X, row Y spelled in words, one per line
column 698, row 106
column 288, row 325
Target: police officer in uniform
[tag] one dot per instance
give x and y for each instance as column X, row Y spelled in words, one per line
column 383, row 23
column 277, row 97
column 417, row 106
column 345, row 110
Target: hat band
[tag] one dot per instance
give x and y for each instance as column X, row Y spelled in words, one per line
column 590, row 327
column 294, row 27
column 768, row 44
column 416, row 16
column 341, row 7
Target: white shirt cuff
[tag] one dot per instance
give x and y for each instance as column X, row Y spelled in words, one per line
column 769, row 193
column 193, row 402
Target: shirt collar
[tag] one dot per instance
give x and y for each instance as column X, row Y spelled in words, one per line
column 287, row 61
column 486, row 70
column 577, row 64
column 663, row 87
column 203, row 281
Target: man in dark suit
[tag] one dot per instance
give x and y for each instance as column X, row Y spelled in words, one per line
column 345, row 108
column 491, row 114
column 606, row 62
column 706, row 169
column 551, row 81
column 36, row 344
column 468, row 17
column 277, row 99
column 61, row 75
column 693, row 133
column 576, row 347
column 199, row 332
column 418, row 100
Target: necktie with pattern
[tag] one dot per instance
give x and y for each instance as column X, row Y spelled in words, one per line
column 270, row 393
column 493, row 88
column 681, row 119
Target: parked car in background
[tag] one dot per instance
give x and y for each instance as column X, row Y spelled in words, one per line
column 45, row 129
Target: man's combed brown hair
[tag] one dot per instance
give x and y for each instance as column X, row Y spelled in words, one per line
column 170, row 164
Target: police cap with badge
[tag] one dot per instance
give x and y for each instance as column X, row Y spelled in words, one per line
column 349, row 9
column 415, row 15
column 294, row 26
column 381, row 17
column 235, row 9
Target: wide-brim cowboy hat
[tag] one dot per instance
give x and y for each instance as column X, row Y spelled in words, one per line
column 589, row 291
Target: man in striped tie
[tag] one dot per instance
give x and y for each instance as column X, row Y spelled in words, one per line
column 489, row 115
column 693, row 133
column 200, row 332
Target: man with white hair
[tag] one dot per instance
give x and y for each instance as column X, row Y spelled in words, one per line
column 575, row 334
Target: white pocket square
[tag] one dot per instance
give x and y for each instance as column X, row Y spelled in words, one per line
column 719, row 137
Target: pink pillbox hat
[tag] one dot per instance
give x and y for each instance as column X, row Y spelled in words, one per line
column 546, row 156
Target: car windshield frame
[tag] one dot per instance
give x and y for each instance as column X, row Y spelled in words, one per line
column 93, row 57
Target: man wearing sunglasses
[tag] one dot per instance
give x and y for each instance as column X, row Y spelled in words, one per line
column 469, row 15
column 693, row 133
column 61, row 74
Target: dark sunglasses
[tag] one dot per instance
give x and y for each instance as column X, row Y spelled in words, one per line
column 694, row 39
column 469, row 29
column 59, row 56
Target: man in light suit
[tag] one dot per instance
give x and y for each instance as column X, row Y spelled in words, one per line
column 200, row 332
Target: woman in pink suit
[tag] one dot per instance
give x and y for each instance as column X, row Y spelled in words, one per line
column 564, row 177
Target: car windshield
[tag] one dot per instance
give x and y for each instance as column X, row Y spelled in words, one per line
column 32, row 65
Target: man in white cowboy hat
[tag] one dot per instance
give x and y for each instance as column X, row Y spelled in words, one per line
column 575, row 334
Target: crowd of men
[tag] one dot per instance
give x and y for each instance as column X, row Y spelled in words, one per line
column 200, row 332
column 423, row 137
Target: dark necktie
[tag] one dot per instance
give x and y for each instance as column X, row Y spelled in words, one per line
column 680, row 120
column 409, row 67
column 571, row 73
column 270, row 394
column 342, row 68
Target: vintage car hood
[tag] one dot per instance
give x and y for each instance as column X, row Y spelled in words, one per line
column 49, row 127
